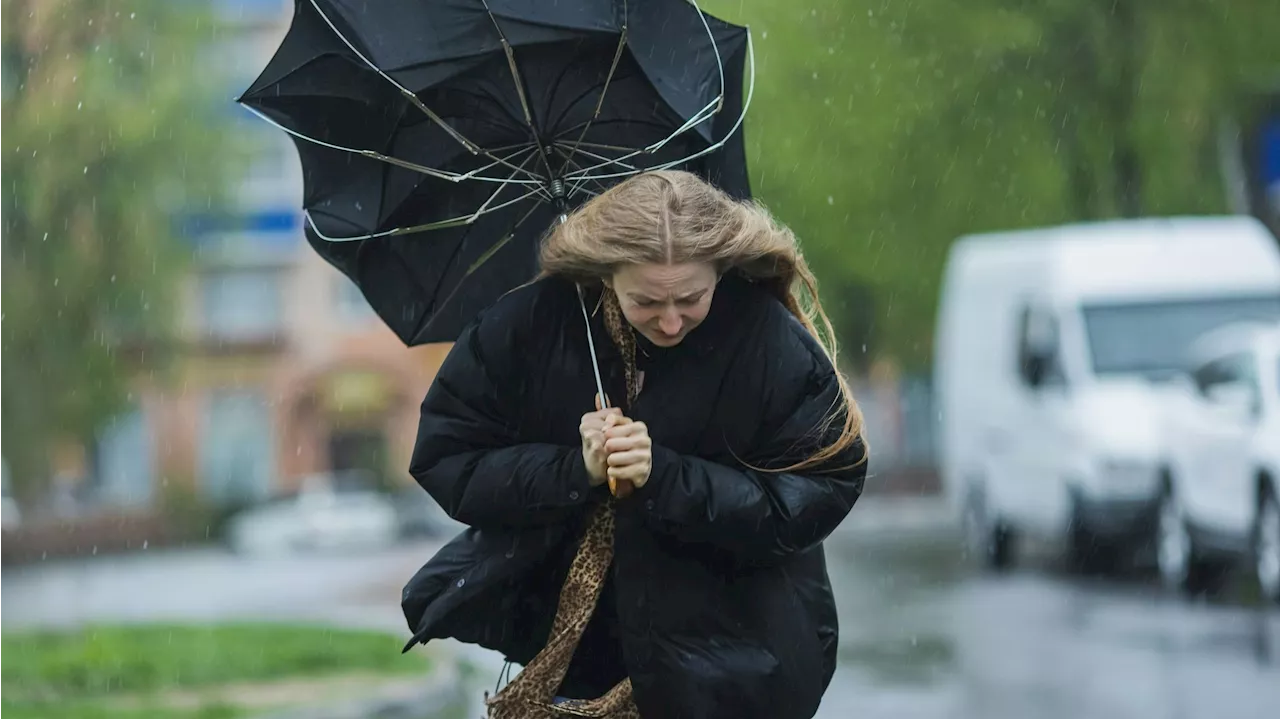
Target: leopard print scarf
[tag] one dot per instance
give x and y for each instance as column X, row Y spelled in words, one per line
column 531, row 695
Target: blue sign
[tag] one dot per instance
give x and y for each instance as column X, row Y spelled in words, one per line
column 1269, row 152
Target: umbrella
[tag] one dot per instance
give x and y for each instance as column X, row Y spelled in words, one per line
column 440, row 139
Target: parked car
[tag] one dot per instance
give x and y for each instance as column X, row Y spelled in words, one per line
column 1221, row 493
column 420, row 515
column 1053, row 349
column 325, row 514
column 10, row 518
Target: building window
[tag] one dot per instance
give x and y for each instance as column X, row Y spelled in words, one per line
column 241, row 304
column 352, row 307
column 125, row 459
column 236, row 449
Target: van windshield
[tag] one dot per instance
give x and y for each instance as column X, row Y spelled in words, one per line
column 1153, row 337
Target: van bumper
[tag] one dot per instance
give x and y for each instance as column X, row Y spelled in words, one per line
column 1116, row 518
column 1134, row 520
column 1217, row 543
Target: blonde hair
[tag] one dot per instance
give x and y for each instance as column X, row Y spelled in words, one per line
column 674, row 217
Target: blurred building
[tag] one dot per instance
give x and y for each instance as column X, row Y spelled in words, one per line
column 284, row 370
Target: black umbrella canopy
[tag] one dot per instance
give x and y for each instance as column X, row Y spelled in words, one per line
column 440, row 139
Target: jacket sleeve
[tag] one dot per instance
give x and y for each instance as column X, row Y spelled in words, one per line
column 762, row 517
column 467, row 456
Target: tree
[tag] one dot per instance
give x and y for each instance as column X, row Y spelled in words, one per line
column 110, row 128
column 881, row 130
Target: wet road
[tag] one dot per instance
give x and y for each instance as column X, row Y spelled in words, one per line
column 922, row 635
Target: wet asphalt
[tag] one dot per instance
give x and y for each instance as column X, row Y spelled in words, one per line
column 923, row 632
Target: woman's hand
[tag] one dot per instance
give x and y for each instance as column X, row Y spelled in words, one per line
column 594, row 454
column 630, row 453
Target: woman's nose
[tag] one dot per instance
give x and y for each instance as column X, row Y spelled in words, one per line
column 669, row 322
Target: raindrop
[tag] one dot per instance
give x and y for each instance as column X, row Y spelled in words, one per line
column 86, row 169
column 831, row 200
column 79, row 105
column 55, row 282
column 132, row 15
column 45, row 238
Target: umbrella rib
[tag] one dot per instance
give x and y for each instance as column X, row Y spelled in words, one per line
column 459, row 221
column 617, row 57
column 486, row 255
column 601, row 146
column 423, row 169
column 568, row 158
column 483, row 206
column 575, row 150
column 519, row 83
column 407, row 93
column 699, row 117
column 751, row 86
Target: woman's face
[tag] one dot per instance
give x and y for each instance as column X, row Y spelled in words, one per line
column 665, row 302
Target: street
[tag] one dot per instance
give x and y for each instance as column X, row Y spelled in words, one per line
column 922, row 635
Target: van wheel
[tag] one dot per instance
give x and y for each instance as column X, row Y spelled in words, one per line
column 1266, row 545
column 987, row 538
column 1181, row 569
column 1173, row 543
column 1087, row 553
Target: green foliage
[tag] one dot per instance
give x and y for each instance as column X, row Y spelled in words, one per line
column 111, row 125
column 883, row 129
column 47, row 667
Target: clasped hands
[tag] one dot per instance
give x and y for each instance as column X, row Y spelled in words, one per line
column 616, row 450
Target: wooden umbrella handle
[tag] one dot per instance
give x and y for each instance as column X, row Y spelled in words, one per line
column 621, row 488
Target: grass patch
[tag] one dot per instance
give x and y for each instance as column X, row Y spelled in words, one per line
column 83, row 674
column 97, row 710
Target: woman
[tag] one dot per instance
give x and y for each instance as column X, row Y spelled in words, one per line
column 700, row 590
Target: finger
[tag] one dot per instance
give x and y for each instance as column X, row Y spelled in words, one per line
column 599, row 403
column 630, row 473
column 595, row 420
column 623, row 444
column 626, row 459
column 630, row 429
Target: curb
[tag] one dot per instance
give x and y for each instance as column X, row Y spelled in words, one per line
column 417, row 699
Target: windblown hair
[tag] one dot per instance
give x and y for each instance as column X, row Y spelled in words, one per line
column 673, row 217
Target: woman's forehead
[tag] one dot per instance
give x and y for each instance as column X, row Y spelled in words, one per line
column 663, row 279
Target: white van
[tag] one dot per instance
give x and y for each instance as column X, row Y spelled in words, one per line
column 1051, row 352
column 1222, row 437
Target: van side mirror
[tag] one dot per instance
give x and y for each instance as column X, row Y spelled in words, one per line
column 1037, row 364
column 1234, row 397
column 1037, row 347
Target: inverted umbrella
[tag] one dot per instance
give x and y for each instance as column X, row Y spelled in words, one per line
column 439, row 139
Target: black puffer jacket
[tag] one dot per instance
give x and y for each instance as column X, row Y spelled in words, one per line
column 719, row 603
